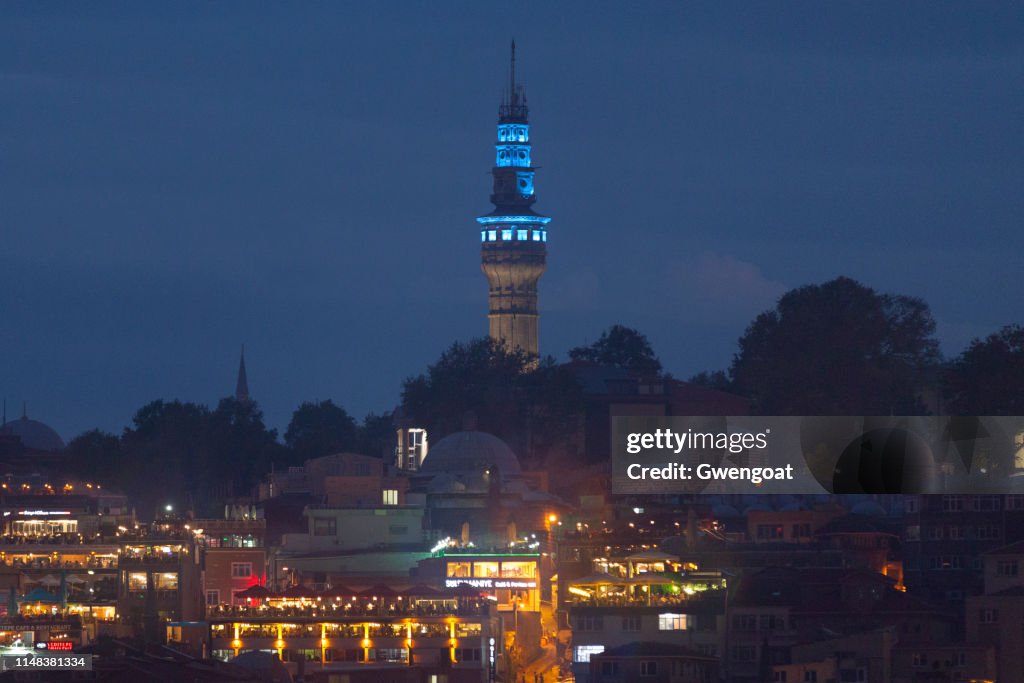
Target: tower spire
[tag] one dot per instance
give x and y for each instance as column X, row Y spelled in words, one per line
column 512, row 74
column 242, row 385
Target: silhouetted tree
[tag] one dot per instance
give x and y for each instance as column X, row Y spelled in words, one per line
column 837, row 348
column 512, row 395
column 620, row 347
column 988, row 377
column 321, row 428
column 717, row 379
column 95, row 455
column 377, row 435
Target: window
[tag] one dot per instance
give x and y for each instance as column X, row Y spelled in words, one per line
column 483, row 235
column 1006, row 568
column 744, row 622
column 769, row 531
column 671, row 622
column 506, row 234
column 952, row 503
column 166, row 581
column 468, row 654
column 609, row 668
column 960, row 659
column 492, row 235
column 543, row 235
column 391, row 496
column 779, row 677
column 583, row 653
column 913, row 532
column 325, row 526
column 801, row 530
column 536, row 235
column 744, row 653
column 241, row 570
column 631, row 624
column 398, row 529
column 485, row 570
column 589, row 624
column 944, row 562
column 1015, row 502
column 212, row 598
column 810, row 677
column 648, row 668
column 989, row 533
column 522, row 235
column 988, row 615
column 987, row 503
column 911, row 505
column 957, row 533
column 853, row 675
column 935, row 533
column 919, row 659
column 136, row 581
column 771, row 622
column 461, row 570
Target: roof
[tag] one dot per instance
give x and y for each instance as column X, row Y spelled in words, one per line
column 469, row 454
column 33, row 434
column 1011, row 549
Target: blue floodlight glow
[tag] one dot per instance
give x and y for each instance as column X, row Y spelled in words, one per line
column 513, row 155
column 492, row 235
column 506, row 235
column 483, row 235
column 524, row 183
column 536, row 235
column 513, row 132
column 491, row 220
column 522, row 235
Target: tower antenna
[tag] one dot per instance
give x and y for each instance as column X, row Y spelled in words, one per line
column 513, row 99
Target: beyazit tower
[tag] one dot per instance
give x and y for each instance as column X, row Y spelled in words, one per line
column 514, row 238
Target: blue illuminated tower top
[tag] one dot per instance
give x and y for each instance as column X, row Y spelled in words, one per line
column 513, row 171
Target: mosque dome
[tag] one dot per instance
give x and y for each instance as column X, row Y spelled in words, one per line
column 33, row 434
column 470, row 454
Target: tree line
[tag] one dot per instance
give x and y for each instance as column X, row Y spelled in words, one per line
column 838, row 348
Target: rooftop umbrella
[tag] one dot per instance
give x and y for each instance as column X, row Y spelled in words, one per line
column 421, row 591
column 256, row 591
column 597, row 580
column 39, row 595
column 299, row 591
column 338, row 591
column 378, row 591
column 50, row 580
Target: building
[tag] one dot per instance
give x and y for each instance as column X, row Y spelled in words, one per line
column 513, row 237
column 652, row 663
column 995, row 618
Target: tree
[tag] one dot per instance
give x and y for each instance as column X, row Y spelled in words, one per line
column 531, row 405
column 620, row 347
column 321, row 428
column 838, row 348
column 988, row 377
column 717, row 379
column 377, row 435
column 95, row 455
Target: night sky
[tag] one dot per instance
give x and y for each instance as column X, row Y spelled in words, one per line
column 303, row 179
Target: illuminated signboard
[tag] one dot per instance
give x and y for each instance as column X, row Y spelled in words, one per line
column 491, row 583
column 43, row 513
column 56, row 646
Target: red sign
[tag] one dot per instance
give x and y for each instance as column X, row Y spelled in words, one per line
column 57, row 646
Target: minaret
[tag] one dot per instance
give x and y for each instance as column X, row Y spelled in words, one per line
column 513, row 253
column 242, row 385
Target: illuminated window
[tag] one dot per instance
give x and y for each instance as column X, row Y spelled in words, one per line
column 483, row 235
column 492, row 235
column 544, row 236
column 485, row 570
column 518, row 570
column 391, row 496
column 583, row 653
column 166, row 581
column 136, row 581
column 460, row 569
column 506, row 235
column 536, row 235
column 522, row 235
column 241, row 570
column 671, row 622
